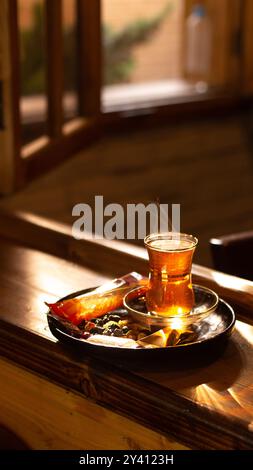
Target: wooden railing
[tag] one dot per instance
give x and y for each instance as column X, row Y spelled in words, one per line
column 61, row 140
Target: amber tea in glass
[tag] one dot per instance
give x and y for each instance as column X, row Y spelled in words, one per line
column 170, row 291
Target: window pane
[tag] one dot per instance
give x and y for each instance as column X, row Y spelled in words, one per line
column 33, row 102
column 143, row 44
column 70, row 97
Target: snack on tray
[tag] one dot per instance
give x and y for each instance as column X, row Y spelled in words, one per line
column 96, row 303
column 98, row 318
column 116, row 324
column 112, row 341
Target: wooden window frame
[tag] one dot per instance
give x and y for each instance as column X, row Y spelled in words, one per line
column 62, row 140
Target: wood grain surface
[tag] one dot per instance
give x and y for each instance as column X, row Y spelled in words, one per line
column 201, row 402
column 57, row 418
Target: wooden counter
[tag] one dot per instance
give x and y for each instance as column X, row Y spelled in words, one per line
column 53, row 398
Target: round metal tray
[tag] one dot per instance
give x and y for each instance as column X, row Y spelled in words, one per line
column 210, row 332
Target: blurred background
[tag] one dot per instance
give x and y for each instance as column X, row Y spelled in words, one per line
column 135, row 100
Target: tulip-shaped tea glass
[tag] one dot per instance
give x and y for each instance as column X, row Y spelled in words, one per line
column 170, row 291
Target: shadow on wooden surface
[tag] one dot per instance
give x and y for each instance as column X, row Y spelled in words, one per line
column 10, row 441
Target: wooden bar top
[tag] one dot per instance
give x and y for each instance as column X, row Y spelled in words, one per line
column 203, row 403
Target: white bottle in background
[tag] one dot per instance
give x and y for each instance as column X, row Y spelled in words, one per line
column 198, row 43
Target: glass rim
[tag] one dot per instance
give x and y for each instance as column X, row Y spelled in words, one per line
column 170, row 236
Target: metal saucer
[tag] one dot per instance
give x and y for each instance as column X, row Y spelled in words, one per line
column 206, row 302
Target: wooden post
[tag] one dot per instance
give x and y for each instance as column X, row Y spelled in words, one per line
column 54, row 56
column 89, row 56
column 247, row 54
column 11, row 168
